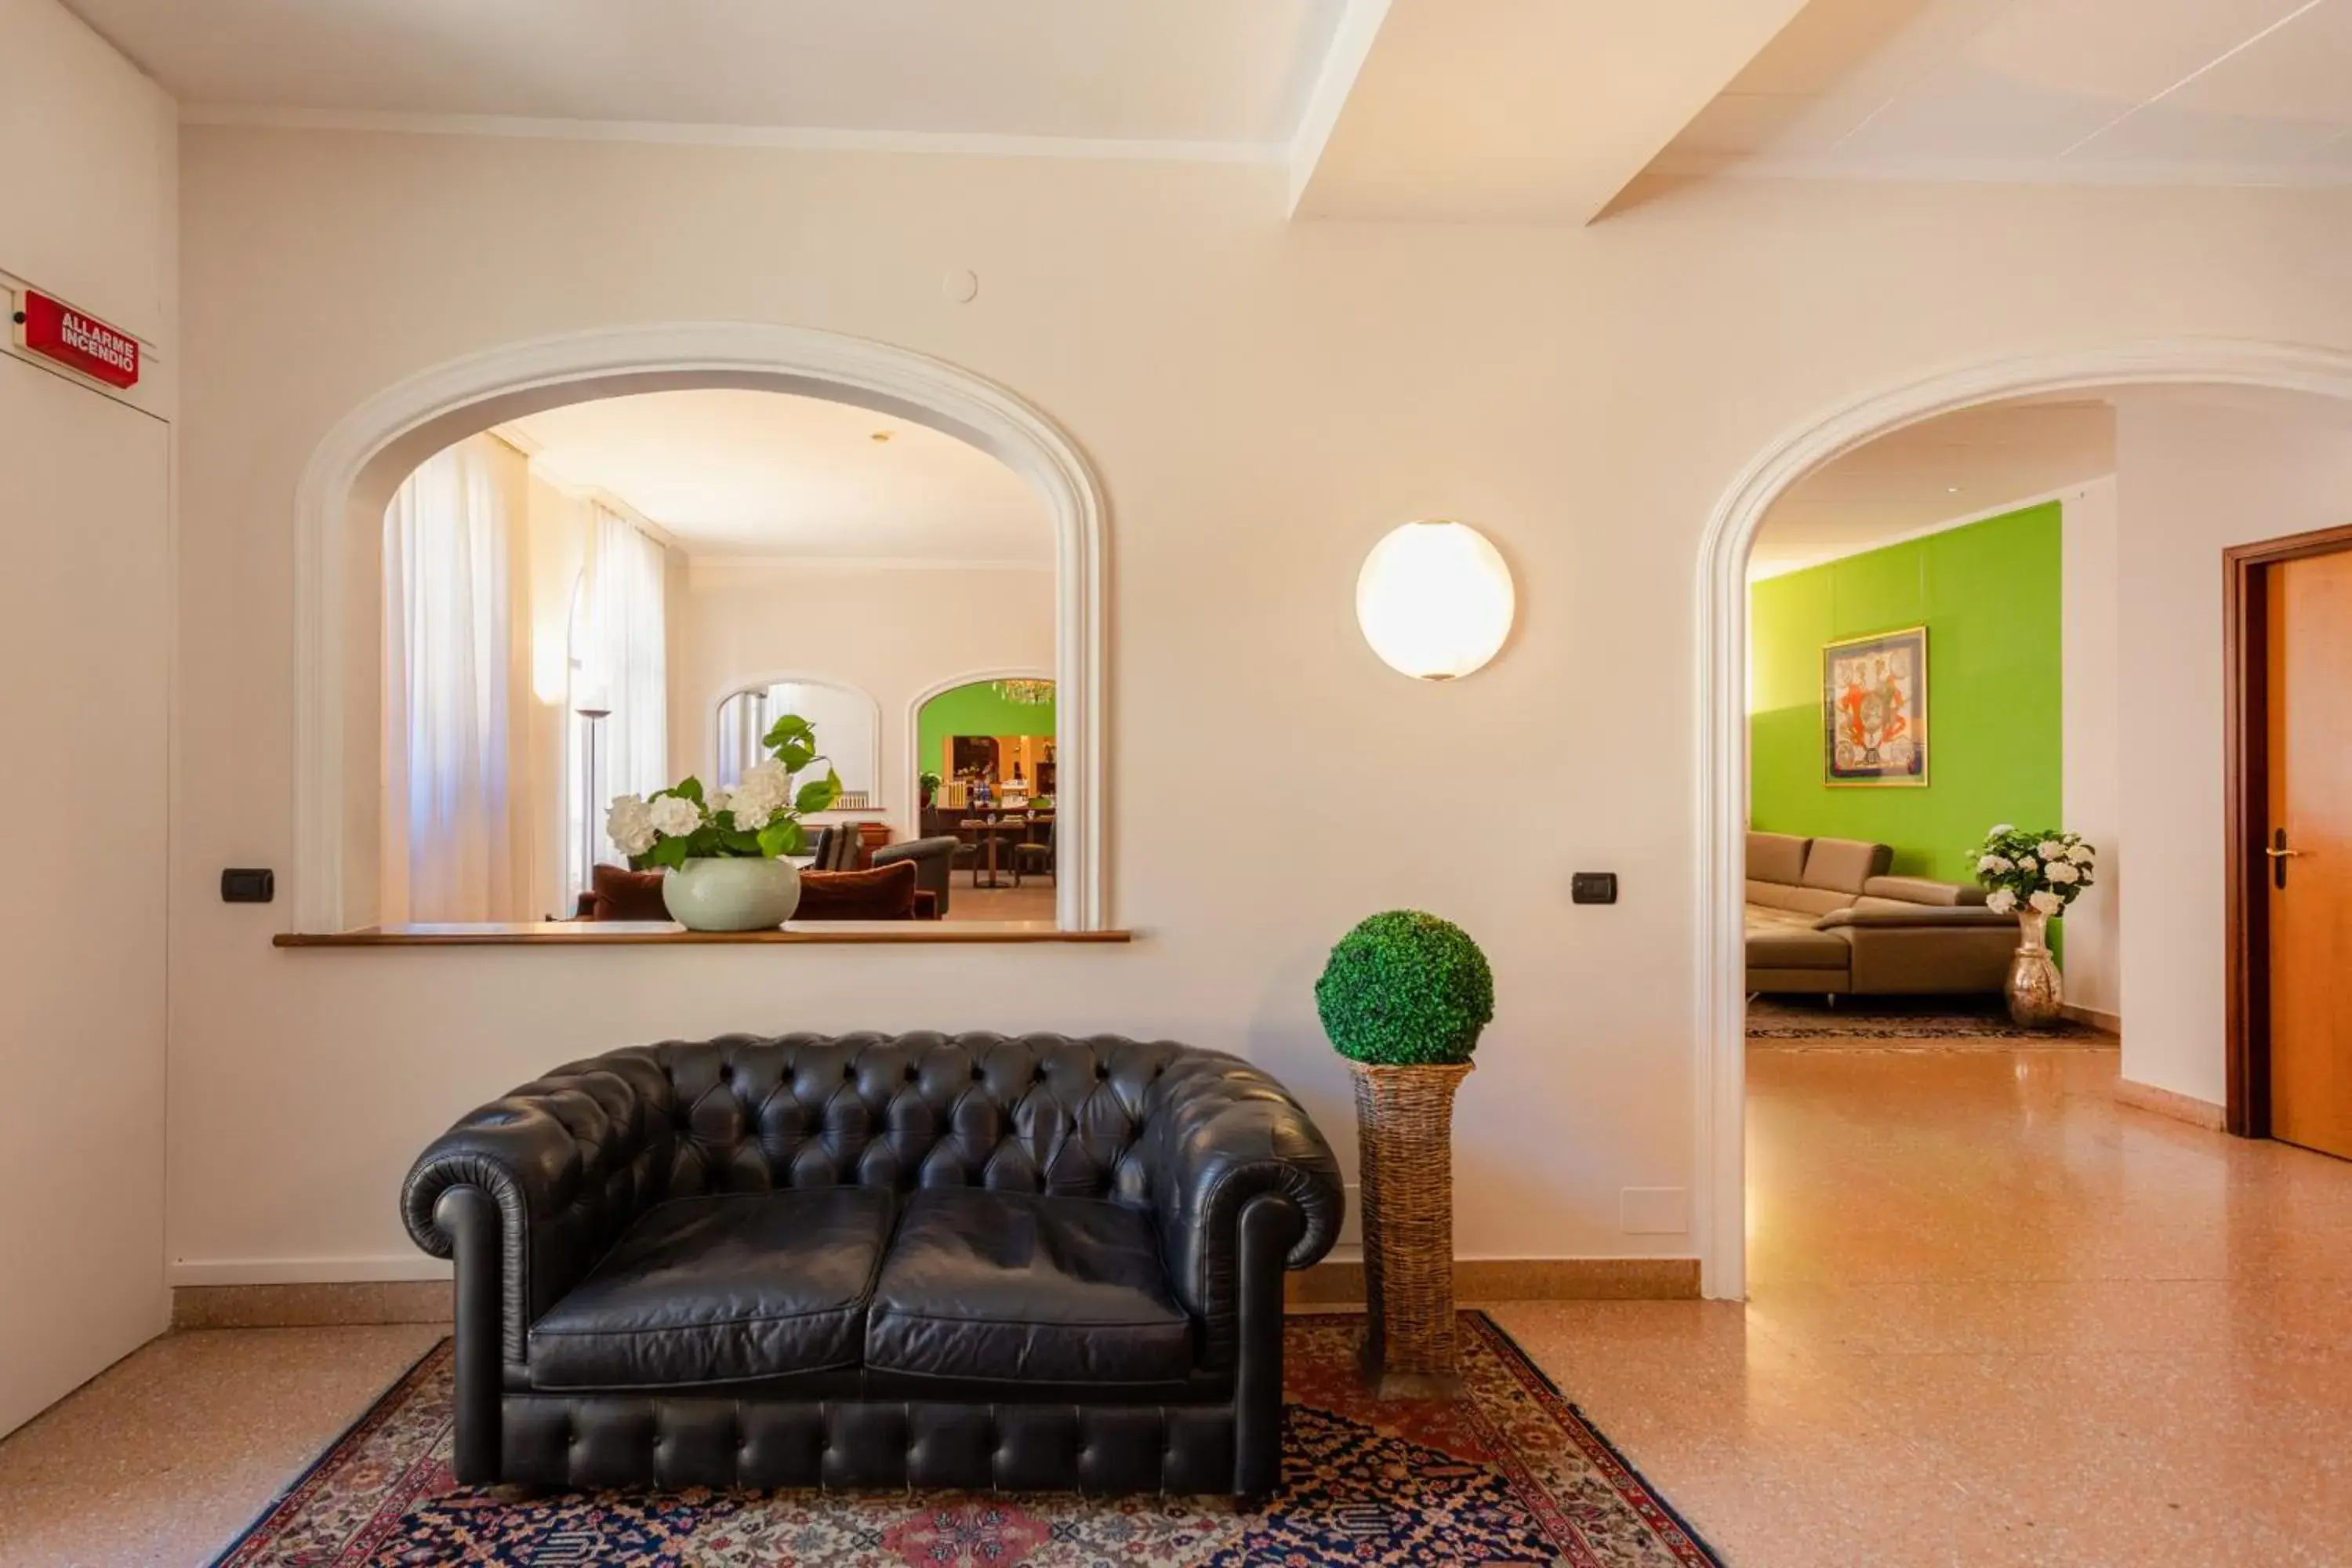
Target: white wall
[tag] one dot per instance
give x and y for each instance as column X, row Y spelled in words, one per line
column 894, row 631
column 2091, row 679
column 88, row 175
column 2194, row 478
column 87, row 160
column 1263, row 401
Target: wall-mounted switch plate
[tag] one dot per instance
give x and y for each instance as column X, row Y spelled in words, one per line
column 1594, row 888
column 249, row 887
column 1653, row 1211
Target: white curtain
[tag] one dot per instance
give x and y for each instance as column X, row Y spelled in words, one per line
column 454, row 841
column 622, row 666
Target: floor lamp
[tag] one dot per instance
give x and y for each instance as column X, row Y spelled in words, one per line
column 592, row 762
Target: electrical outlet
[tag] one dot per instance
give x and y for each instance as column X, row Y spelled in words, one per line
column 1594, row 888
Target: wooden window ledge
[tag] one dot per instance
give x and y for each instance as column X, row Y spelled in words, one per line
column 659, row 934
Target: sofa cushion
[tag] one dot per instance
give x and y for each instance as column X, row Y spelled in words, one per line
column 1005, row 1286
column 617, row 893
column 720, row 1289
column 1843, row 865
column 1806, row 902
column 1924, row 891
column 1891, row 912
column 1797, row 948
column 1776, row 858
column 884, row 893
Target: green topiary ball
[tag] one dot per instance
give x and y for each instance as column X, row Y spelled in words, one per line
column 1406, row 989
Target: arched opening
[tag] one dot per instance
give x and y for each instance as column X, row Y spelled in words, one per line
column 844, row 713
column 987, row 770
column 1721, row 1078
column 356, row 470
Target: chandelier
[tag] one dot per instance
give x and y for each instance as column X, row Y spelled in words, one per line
column 1028, row 693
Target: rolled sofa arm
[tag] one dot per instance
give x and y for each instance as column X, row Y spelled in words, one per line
column 1220, row 1134
column 567, row 1160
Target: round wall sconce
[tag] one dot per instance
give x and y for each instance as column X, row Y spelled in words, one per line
column 1435, row 600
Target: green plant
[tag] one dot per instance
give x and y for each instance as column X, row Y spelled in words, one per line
column 2043, row 870
column 930, row 784
column 760, row 817
column 1405, row 989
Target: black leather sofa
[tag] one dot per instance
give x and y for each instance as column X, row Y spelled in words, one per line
column 870, row 1260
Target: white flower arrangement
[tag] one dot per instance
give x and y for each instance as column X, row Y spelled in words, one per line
column 2039, row 872
column 759, row 818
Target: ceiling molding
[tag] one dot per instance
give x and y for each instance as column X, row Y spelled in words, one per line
column 1906, row 536
column 807, row 139
column 734, row 570
column 2006, row 171
column 515, row 435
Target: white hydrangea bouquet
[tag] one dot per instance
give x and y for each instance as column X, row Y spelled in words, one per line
column 760, row 818
column 2033, row 873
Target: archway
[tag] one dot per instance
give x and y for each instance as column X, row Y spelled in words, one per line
column 1721, row 1078
column 916, row 760
column 352, row 474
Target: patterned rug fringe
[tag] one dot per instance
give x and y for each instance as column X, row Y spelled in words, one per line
column 1951, row 1024
column 1510, row 1474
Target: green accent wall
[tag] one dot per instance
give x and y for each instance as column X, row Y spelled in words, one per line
column 1989, row 595
column 975, row 709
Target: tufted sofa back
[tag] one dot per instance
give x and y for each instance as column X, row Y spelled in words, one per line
column 570, row 1159
column 1030, row 1113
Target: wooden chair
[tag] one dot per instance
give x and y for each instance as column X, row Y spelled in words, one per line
column 1038, row 857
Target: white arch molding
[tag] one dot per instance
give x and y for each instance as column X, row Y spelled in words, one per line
column 351, row 475
column 759, row 681
column 914, row 769
column 1719, row 1213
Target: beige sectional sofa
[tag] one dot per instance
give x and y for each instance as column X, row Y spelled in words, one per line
column 1824, row 917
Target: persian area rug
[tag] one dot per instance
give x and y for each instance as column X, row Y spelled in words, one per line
column 1942, row 1022
column 1510, row 1474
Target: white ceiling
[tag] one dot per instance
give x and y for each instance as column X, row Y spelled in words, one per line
column 1524, row 110
column 1202, row 75
column 1973, row 464
column 2069, row 91
column 760, row 473
column 1510, row 109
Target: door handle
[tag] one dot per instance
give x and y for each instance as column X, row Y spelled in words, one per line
column 2280, row 855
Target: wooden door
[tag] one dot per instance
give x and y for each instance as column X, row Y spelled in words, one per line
column 2308, row 849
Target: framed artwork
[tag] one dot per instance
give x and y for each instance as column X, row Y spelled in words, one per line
column 1874, row 709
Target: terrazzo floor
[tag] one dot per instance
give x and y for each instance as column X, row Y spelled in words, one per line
column 1997, row 1318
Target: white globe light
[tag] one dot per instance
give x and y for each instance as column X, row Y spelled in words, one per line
column 1435, row 600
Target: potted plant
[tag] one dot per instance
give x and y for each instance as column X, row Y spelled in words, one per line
column 2036, row 875
column 1404, row 998
column 721, row 852
column 928, row 784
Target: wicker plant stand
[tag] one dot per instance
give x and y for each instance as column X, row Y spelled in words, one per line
column 1404, row 1130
